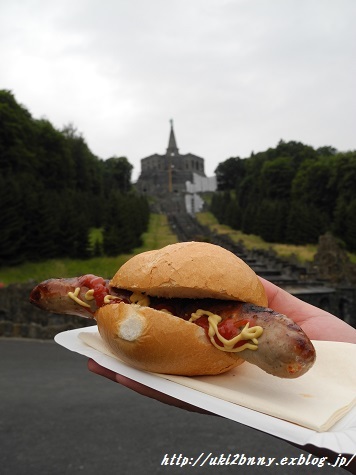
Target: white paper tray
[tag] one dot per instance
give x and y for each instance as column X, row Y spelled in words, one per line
column 341, row 438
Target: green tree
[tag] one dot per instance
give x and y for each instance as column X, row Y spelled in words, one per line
column 39, row 224
column 350, row 226
column 305, row 223
column 230, row 173
column 233, row 215
column 312, row 184
column 276, row 177
column 289, row 193
column 17, row 137
column 11, row 223
column 54, row 189
column 117, row 174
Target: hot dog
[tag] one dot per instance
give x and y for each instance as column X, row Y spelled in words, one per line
column 189, row 308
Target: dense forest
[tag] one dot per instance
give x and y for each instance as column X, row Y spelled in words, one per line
column 54, row 190
column 290, row 194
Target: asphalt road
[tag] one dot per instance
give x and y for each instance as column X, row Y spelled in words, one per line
column 58, row 418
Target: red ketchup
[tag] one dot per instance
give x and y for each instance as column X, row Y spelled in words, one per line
column 98, row 284
column 228, row 329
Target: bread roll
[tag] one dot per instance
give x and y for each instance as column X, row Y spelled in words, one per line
column 191, row 270
column 155, row 341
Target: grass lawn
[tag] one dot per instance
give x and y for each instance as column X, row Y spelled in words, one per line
column 251, row 241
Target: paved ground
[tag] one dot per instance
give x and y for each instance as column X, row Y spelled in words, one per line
column 58, row 418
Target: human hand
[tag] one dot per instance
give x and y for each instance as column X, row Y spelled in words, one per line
column 139, row 388
column 316, row 323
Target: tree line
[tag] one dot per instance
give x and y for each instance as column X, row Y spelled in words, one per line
column 292, row 193
column 54, row 190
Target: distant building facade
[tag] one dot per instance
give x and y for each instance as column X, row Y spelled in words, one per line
column 169, row 173
column 193, row 201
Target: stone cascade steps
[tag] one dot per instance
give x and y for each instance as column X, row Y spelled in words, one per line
column 263, row 262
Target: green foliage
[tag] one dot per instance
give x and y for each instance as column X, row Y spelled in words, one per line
column 53, row 190
column 11, row 222
column 350, row 225
column 290, row 194
column 158, row 234
column 229, row 173
column 117, row 174
column 276, row 177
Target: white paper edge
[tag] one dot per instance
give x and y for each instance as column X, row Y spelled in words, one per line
column 341, row 438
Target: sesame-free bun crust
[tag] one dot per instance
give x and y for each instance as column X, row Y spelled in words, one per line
column 155, row 341
column 191, row 270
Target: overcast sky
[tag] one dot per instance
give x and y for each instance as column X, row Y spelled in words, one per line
column 236, row 76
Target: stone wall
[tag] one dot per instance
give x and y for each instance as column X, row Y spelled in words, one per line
column 18, row 318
